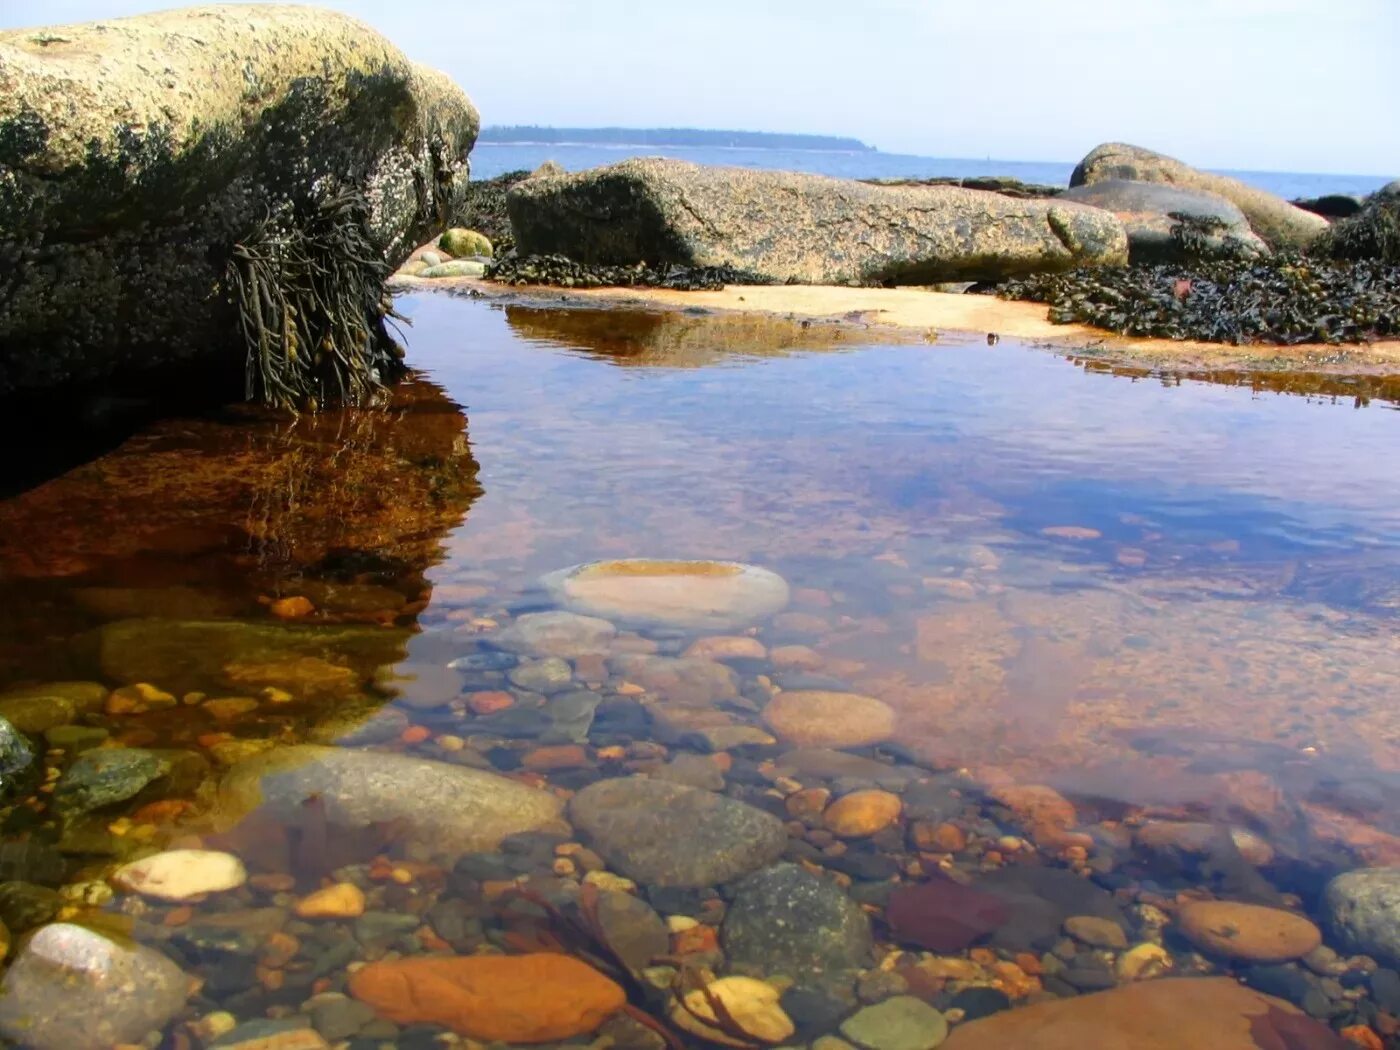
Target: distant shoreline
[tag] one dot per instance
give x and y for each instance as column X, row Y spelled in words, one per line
column 634, row 138
column 676, row 145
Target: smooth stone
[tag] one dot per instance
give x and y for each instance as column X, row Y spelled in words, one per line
column 695, row 771
column 535, row 998
column 827, row 764
column 291, row 1034
column 547, row 676
column 751, row 1004
column 1096, row 932
column 459, row 241
column 862, row 814
column 1200, row 839
column 344, row 900
column 38, row 714
column 694, row 595
column 25, row 905
column 1148, row 209
column 680, row 680
column 1361, row 910
column 727, row 647
column 670, row 835
column 1247, row 931
column 1214, row 1012
column 181, row 874
column 71, row 988
column 446, row 809
column 901, row 1023
column 104, row 777
column 632, row 930
column 817, row 719
column 455, row 268
column 421, row 687
column 555, row 633
column 785, row 920
column 340, row 1017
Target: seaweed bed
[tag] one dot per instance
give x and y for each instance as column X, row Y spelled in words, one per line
column 568, row 273
column 1287, row 300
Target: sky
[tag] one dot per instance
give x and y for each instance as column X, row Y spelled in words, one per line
column 1282, row 85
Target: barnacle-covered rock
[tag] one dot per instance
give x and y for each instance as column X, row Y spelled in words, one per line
column 803, row 229
column 135, row 154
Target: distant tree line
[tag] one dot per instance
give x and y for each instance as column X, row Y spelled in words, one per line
column 667, row 137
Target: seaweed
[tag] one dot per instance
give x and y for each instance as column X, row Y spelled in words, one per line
column 568, row 273
column 1372, row 233
column 308, row 288
column 1286, row 299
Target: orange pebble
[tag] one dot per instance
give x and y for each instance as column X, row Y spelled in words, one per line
column 983, row 956
column 695, row 939
column 489, row 703
column 207, row 740
column 431, row 941
column 162, row 812
column 292, row 608
column 1029, row 963
column 178, row 916
column 321, row 985
column 272, row 980
column 1362, row 1036
column 415, row 734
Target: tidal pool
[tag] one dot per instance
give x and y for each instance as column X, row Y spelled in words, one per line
column 1011, row 665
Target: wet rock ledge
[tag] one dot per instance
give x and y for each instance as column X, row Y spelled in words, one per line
column 172, row 184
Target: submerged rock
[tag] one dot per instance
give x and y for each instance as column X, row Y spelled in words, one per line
column 1149, row 212
column 554, row 634
column 18, row 771
column 667, row 834
column 693, row 595
column 900, row 1023
column 1248, row 931
column 1279, row 223
column 1361, row 909
column 102, row 778
column 535, row 998
column 72, row 988
column 181, row 874
column 753, row 1010
column 446, row 809
column 811, row 718
column 806, row 229
column 121, row 210
column 1213, row 1012
column 787, row 921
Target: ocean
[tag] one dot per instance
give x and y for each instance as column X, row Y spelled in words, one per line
column 489, row 160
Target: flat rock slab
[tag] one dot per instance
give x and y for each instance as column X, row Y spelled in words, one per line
column 806, row 229
column 665, row 834
column 446, row 809
column 71, row 988
column 1213, row 1012
column 1279, row 223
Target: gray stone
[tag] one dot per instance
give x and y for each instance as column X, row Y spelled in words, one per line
column 338, row 1017
column 555, row 633
column 445, row 809
column 547, row 676
column 18, row 770
column 1361, row 911
column 570, row 716
column 806, row 229
column 71, row 988
column 901, row 1023
column 670, row 835
column 140, row 150
column 632, row 930
column 25, row 905
column 104, row 777
column 1279, row 223
column 685, row 680
column 1146, row 210
column 37, row 714
column 694, row 771
column 785, row 920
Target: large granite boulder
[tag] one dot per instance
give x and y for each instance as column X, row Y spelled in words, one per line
column 1149, row 210
column 1279, row 223
column 803, row 229
column 136, row 153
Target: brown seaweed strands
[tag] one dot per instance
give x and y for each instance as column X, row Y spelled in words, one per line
column 567, row 273
column 1285, row 300
column 308, row 287
column 485, row 209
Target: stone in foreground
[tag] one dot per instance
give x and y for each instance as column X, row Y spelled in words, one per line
column 71, row 988
column 136, row 152
column 785, row 920
column 803, row 229
column 814, row 718
column 1279, row 223
column 1146, row 210
column 1362, row 912
column 445, row 809
column 1169, row 1014
column 666, row 834
column 537, row 998
column 901, row 1023
column 1248, row 931
column 691, row 595
column 181, row 874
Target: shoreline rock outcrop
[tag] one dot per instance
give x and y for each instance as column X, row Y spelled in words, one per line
column 1280, row 224
column 803, row 229
column 137, row 153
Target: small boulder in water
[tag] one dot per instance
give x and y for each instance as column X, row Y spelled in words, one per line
column 182, row 874
column 1362, row 911
column 458, row 242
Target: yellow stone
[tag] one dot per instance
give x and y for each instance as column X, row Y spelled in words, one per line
column 862, row 813
column 344, row 900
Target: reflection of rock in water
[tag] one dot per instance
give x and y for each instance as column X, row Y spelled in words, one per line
column 200, row 518
column 671, row 339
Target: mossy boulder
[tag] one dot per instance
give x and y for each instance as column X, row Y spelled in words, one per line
column 136, row 153
column 455, row 268
column 460, row 243
column 803, row 229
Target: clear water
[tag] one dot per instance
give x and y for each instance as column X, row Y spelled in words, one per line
column 1167, row 600
column 491, row 159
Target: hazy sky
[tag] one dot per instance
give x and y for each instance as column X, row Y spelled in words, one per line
column 1300, row 85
